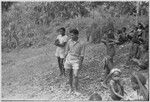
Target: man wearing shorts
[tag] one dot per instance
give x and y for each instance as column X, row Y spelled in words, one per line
column 74, row 57
column 60, row 42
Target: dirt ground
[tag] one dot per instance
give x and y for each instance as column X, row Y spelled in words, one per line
column 33, row 73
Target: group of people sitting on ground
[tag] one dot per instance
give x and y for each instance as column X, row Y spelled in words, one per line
column 70, row 55
column 137, row 54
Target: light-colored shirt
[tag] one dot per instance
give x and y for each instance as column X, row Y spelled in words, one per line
column 75, row 48
column 62, row 39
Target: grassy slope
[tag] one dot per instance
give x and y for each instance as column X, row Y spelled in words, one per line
column 33, row 74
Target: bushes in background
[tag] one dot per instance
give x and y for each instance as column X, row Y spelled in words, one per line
column 26, row 24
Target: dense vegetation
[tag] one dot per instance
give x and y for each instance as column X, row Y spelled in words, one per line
column 33, row 73
column 26, row 24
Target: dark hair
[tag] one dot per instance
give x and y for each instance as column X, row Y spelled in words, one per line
column 62, row 29
column 74, row 31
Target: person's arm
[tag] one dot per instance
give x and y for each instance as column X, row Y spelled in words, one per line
column 56, row 42
column 67, row 49
column 122, row 86
column 114, row 42
column 113, row 90
column 62, row 45
column 82, row 53
column 106, row 79
column 143, row 89
column 136, row 60
column 103, row 40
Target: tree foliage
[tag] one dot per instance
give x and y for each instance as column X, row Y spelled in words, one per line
column 26, row 22
column 6, row 5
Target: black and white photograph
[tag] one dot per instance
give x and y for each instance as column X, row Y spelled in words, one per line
column 74, row 51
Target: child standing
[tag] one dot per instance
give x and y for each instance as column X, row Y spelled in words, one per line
column 60, row 42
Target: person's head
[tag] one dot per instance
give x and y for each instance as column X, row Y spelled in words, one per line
column 124, row 29
column 115, row 73
column 95, row 97
column 74, row 34
column 62, row 31
column 134, row 81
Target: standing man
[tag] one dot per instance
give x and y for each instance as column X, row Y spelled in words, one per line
column 74, row 58
column 60, row 42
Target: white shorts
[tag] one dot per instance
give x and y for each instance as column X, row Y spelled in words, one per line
column 60, row 53
column 71, row 63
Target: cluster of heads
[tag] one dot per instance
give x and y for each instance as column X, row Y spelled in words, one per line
column 135, row 28
column 72, row 31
